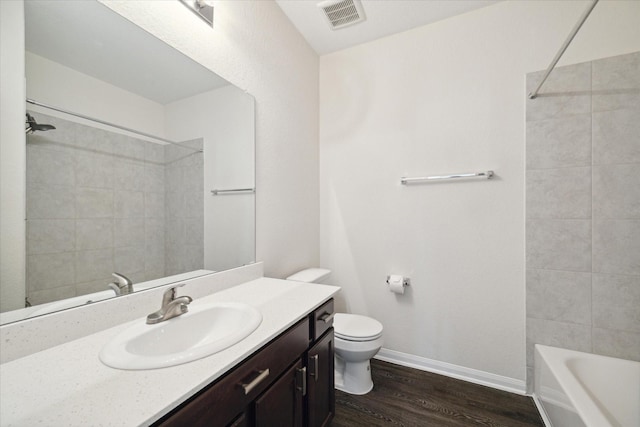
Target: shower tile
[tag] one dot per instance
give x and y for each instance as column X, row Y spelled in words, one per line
column 129, row 260
column 571, row 336
column 564, row 296
column 175, row 154
column 196, row 144
column 193, row 159
column 154, row 231
column 93, row 140
column 622, row 344
column 194, row 231
column 152, row 274
column 50, row 236
column 153, row 178
column 559, row 193
column 93, row 265
column 128, row 232
column 50, row 167
column 127, row 148
column 175, row 233
column 555, row 244
column 154, row 153
column 95, row 286
column 94, row 234
column 173, row 262
column 128, row 204
column 556, row 143
column 94, row 170
column 616, row 246
column 193, row 258
column 616, row 302
column 194, row 178
column 175, row 204
column 129, row 176
column 154, row 261
column 193, row 204
column 94, row 203
column 154, row 205
column 616, row 136
column 616, row 191
column 174, row 178
column 616, row 82
column 50, row 202
column 46, row 271
column 50, row 295
column 566, row 92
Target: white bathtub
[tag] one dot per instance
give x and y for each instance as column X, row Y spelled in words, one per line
column 575, row 389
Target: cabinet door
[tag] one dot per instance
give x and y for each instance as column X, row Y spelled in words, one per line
column 321, row 400
column 282, row 403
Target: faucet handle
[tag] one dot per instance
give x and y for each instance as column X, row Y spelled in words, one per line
column 121, row 279
column 170, row 294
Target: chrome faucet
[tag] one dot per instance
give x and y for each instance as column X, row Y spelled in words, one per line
column 122, row 285
column 172, row 306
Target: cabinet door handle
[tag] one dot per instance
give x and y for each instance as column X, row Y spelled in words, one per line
column 302, row 380
column 315, row 359
column 254, row 382
column 326, row 317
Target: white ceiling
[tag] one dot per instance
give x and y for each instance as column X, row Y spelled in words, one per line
column 384, row 17
column 92, row 39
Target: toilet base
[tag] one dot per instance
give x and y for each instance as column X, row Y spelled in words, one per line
column 353, row 377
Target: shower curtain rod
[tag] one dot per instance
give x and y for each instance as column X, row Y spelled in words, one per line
column 137, row 132
column 564, row 47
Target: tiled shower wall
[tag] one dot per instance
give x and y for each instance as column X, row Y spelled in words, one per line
column 583, row 209
column 184, row 208
column 95, row 205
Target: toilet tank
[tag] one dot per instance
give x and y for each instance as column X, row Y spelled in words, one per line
column 311, row 275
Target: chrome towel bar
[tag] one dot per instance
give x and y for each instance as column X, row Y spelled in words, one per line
column 487, row 175
column 233, row 191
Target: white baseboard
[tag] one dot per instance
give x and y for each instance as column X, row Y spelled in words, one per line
column 454, row 371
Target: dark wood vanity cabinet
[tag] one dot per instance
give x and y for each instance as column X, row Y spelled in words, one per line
column 288, row 382
column 320, row 383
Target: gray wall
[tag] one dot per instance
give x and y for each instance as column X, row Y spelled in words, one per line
column 184, row 208
column 96, row 204
column 583, row 209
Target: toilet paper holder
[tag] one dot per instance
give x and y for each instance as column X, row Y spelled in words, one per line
column 405, row 281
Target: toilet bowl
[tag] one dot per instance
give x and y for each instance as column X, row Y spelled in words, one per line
column 357, row 339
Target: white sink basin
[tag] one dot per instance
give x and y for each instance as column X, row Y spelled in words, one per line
column 206, row 329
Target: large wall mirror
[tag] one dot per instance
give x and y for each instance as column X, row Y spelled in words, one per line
column 139, row 161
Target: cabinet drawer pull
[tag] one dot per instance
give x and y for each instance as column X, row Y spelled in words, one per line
column 315, row 359
column 301, row 380
column 326, row 317
column 257, row 380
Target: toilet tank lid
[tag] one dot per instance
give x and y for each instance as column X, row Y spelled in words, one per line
column 310, row 275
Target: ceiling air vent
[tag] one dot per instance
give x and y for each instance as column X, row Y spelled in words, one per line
column 342, row 13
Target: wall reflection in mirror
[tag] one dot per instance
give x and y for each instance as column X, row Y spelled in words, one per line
column 134, row 198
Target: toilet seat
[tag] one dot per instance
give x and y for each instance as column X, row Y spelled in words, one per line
column 353, row 327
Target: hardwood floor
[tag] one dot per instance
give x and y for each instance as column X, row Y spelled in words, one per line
column 408, row 397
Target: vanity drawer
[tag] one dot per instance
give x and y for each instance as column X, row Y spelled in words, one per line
column 222, row 401
column 322, row 319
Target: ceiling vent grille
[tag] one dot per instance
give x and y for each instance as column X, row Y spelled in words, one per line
column 342, row 13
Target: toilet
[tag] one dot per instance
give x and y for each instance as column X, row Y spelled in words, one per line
column 357, row 339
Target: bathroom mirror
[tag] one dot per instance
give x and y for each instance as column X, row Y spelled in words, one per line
column 139, row 161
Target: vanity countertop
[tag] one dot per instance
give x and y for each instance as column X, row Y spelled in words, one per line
column 67, row 385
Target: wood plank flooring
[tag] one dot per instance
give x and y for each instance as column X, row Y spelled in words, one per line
column 409, row 397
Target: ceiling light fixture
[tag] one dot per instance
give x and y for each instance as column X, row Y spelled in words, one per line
column 202, row 8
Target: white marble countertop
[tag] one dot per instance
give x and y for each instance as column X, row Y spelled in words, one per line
column 67, row 385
